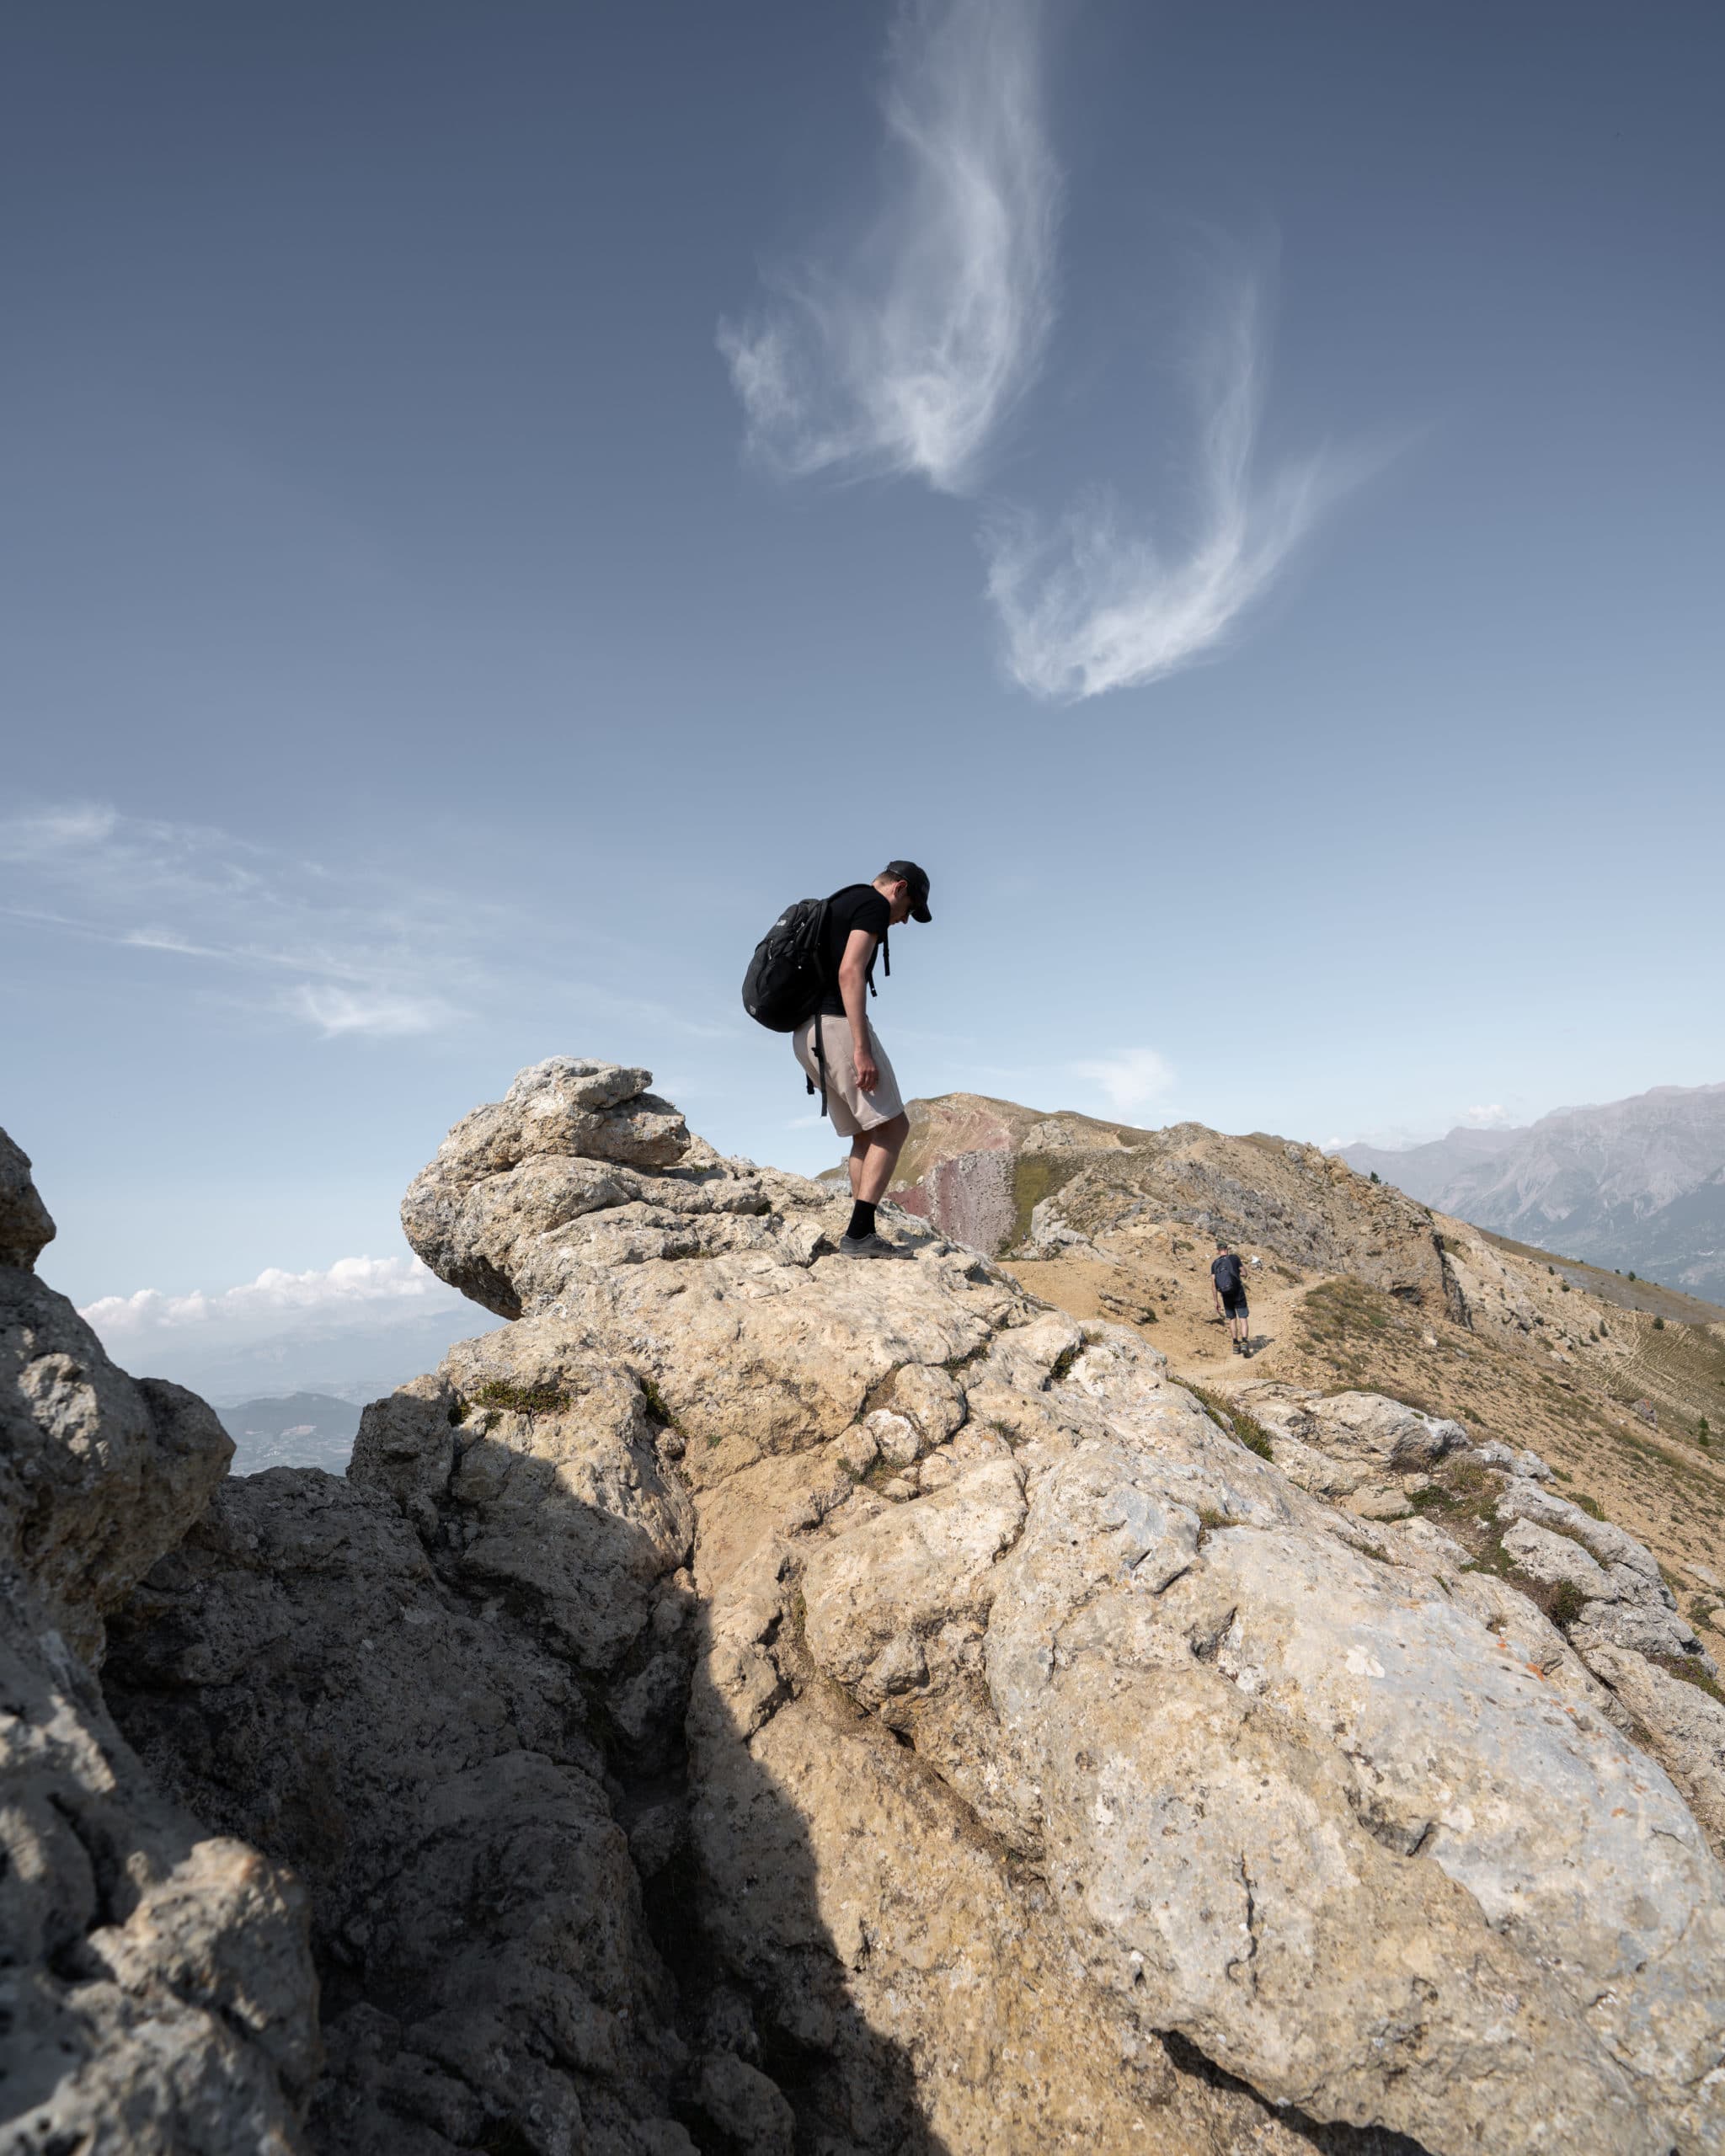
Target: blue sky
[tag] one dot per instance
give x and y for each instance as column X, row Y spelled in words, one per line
column 499, row 500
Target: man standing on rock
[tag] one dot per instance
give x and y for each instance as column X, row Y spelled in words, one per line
column 1230, row 1295
column 862, row 1093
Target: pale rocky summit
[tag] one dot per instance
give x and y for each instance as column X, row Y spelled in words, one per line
column 761, row 1702
column 156, row 1989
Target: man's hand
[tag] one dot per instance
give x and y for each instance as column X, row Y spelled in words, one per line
column 868, row 1070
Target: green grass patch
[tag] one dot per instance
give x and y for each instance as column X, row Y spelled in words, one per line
column 657, row 1409
column 1457, row 1487
column 521, row 1399
column 1036, row 1176
column 1235, row 1420
column 1565, row 1605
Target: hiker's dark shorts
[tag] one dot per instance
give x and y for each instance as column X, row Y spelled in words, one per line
column 1234, row 1304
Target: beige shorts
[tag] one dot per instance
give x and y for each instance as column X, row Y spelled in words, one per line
column 852, row 1110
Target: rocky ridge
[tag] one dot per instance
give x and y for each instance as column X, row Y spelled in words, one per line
column 760, row 1702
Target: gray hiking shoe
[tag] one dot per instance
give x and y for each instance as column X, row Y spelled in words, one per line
column 866, row 1247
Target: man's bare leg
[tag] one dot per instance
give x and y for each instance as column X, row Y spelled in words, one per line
column 874, row 1154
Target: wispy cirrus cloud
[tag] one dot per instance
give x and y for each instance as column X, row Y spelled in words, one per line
column 1134, row 1078
column 1095, row 603
column 905, row 359
column 383, row 1013
column 355, row 953
column 353, row 950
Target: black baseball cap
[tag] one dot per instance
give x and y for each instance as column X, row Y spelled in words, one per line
column 907, row 871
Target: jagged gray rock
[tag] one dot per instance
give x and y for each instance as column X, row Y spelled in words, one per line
column 441, row 1788
column 25, row 1228
column 99, row 1472
column 157, row 1996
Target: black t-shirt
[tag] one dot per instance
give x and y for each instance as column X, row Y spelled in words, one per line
column 1226, row 1273
column 858, row 905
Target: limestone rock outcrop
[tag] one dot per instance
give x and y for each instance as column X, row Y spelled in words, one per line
column 1621, row 1618
column 757, row 1700
column 577, row 1167
column 156, row 1997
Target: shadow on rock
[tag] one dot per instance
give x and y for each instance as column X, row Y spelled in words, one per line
column 513, row 1923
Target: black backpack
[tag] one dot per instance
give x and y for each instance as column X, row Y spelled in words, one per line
column 787, row 976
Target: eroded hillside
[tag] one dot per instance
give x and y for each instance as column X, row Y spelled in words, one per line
column 1620, row 1384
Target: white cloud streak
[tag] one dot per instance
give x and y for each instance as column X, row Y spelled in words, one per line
column 1094, row 606
column 353, row 952
column 354, row 1290
column 906, row 360
column 356, row 953
column 1136, row 1078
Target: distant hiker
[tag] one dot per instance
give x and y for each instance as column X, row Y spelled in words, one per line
column 1230, row 1295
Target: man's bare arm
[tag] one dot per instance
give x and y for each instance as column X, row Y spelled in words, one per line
column 853, row 992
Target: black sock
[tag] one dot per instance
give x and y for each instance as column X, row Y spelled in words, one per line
column 862, row 1219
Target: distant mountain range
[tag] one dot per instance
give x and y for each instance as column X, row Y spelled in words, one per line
column 299, row 1429
column 1638, row 1184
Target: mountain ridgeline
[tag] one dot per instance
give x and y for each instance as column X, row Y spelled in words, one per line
column 1636, row 1184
